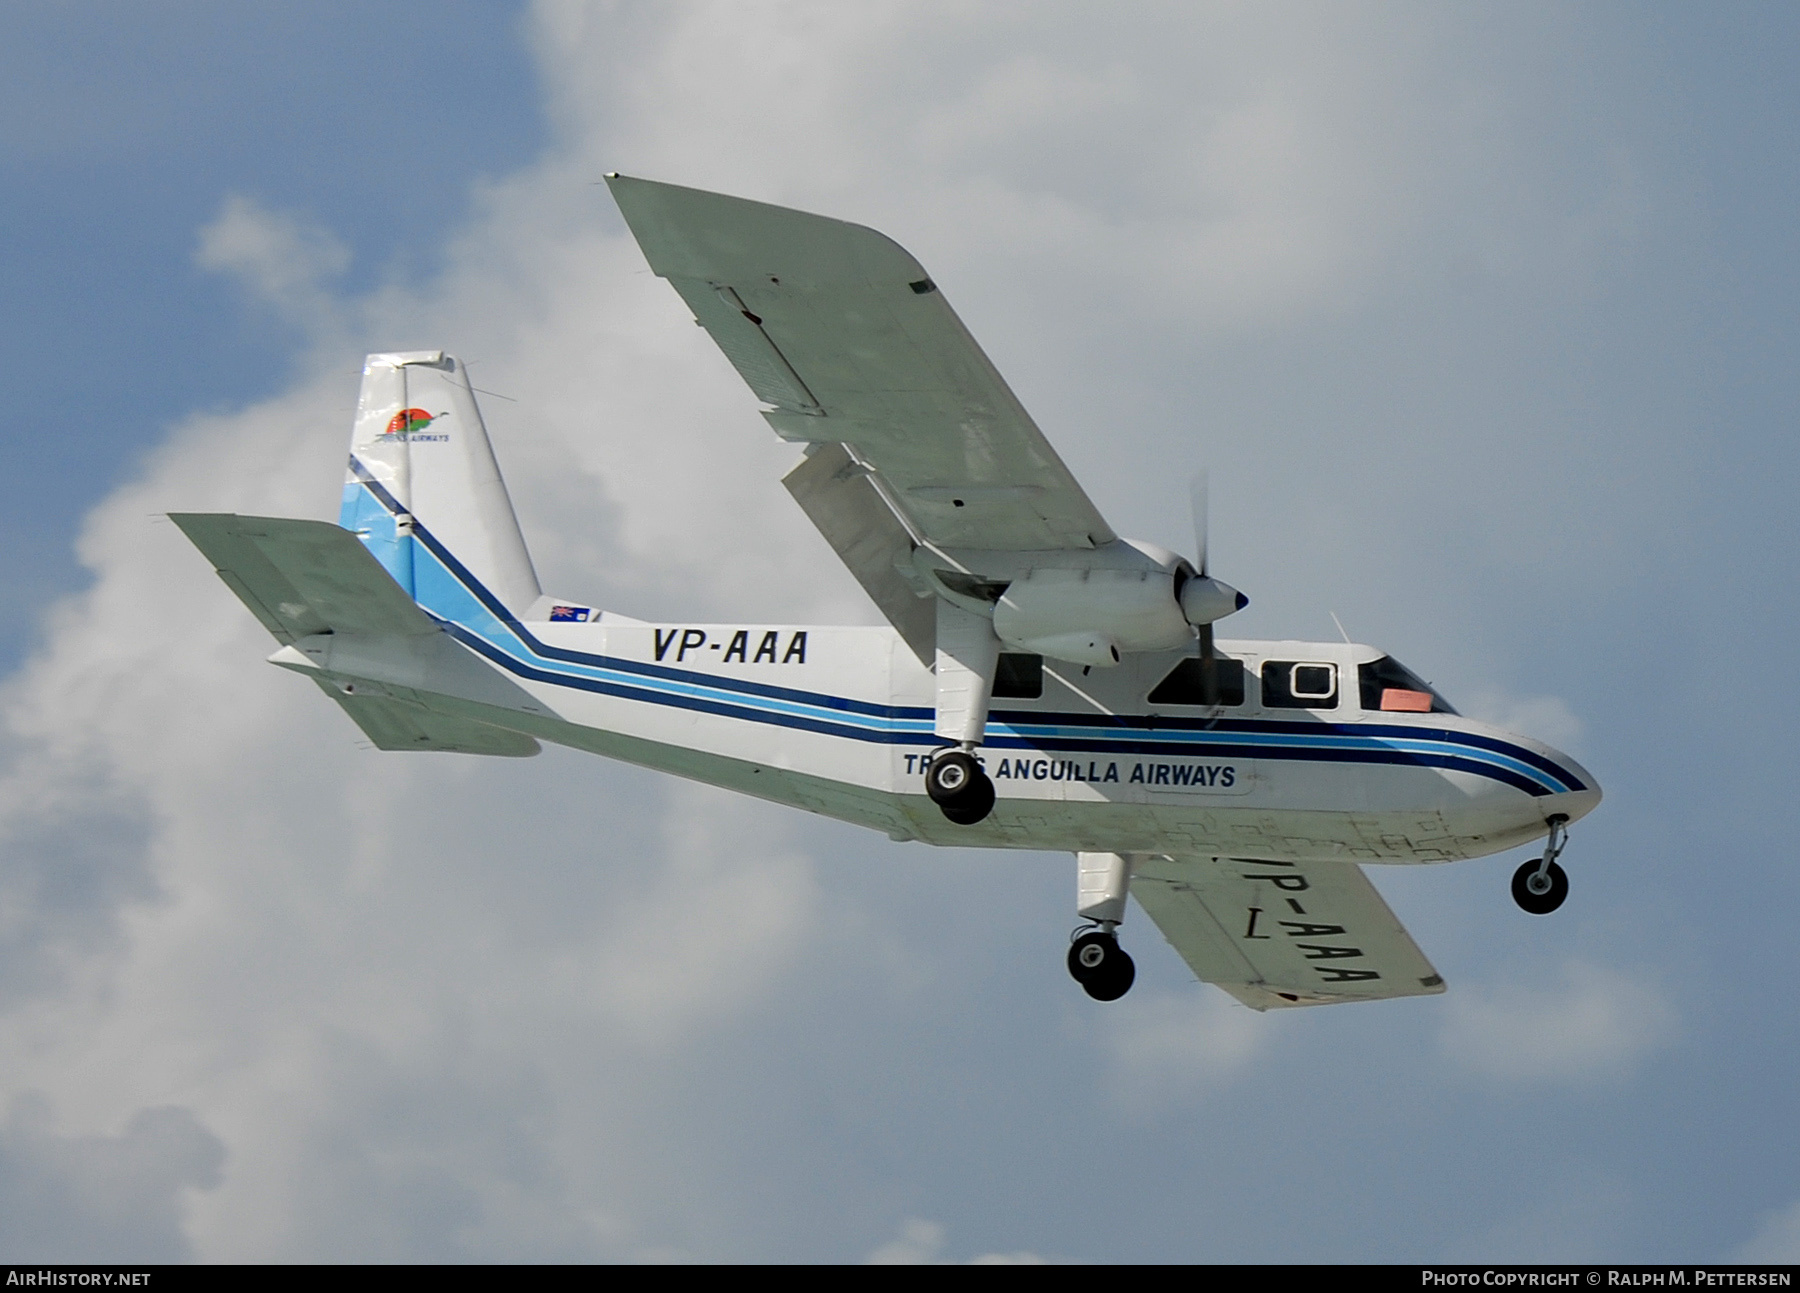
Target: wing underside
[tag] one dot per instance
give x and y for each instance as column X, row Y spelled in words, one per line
column 1277, row 934
column 844, row 334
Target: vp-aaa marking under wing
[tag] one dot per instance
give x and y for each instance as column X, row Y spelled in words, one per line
column 1276, row 934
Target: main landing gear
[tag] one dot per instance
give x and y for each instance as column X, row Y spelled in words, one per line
column 968, row 655
column 1540, row 886
column 1104, row 970
column 959, row 787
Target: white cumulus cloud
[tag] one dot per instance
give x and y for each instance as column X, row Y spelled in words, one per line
column 1594, row 1022
column 351, row 1006
column 283, row 259
column 1164, row 1049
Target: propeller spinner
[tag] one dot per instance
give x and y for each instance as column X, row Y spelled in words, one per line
column 1203, row 598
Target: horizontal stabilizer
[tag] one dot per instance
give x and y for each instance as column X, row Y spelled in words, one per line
column 304, row 577
column 392, row 725
column 1276, row 934
column 837, row 495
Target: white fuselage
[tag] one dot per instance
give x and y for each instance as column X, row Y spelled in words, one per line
column 839, row 720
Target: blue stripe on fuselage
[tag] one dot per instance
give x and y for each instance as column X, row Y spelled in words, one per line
column 451, row 593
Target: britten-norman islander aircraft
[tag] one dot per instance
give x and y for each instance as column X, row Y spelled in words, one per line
column 1044, row 683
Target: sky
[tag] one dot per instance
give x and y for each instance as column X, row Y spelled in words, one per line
column 1481, row 319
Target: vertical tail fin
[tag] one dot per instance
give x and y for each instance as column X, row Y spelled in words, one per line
column 420, row 461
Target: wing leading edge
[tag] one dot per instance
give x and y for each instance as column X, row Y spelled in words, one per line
column 1278, row 934
column 844, row 333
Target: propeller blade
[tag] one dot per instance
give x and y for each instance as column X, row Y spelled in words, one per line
column 1205, row 599
column 1197, row 490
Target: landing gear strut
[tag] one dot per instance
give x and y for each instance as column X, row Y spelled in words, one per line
column 1540, row 886
column 1103, row 969
column 959, row 787
column 967, row 655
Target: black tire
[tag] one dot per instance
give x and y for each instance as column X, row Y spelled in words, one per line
column 950, row 775
column 959, row 787
column 974, row 806
column 1104, row 970
column 1539, row 904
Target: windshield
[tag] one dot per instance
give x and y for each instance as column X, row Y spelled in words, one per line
column 1388, row 685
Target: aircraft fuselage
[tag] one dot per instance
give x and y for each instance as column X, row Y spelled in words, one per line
column 839, row 720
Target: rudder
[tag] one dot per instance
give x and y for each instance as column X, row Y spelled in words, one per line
column 420, row 460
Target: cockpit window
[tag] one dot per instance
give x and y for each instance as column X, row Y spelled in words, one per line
column 1188, row 684
column 1387, row 685
column 1302, row 684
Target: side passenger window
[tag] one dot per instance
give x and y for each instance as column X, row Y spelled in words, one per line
column 1289, row 684
column 1019, row 676
column 1188, row 684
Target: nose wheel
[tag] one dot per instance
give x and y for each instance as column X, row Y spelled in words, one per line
column 1540, row 886
column 959, row 787
column 1103, row 969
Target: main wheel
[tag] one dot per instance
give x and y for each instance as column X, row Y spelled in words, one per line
column 974, row 806
column 959, row 787
column 1104, row 970
column 1540, row 894
column 950, row 775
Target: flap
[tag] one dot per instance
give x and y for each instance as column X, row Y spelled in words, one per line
column 842, row 330
column 1276, row 934
column 837, row 495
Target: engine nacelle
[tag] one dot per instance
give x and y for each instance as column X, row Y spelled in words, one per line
column 1076, row 648
column 1092, row 617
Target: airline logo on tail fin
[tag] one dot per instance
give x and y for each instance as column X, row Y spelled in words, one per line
column 408, row 424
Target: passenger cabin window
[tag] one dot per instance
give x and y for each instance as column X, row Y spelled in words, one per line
column 1019, row 677
column 1389, row 686
column 1288, row 684
column 1188, row 683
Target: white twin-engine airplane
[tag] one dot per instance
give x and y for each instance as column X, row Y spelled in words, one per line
column 1045, row 683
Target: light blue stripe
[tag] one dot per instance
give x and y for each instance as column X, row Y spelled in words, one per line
column 440, row 592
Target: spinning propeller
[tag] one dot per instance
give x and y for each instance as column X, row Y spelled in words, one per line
column 1203, row 598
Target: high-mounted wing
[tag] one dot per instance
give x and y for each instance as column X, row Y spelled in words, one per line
column 842, row 331
column 1276, row 934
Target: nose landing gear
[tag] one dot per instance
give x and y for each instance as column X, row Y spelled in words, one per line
column 1540, row 885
